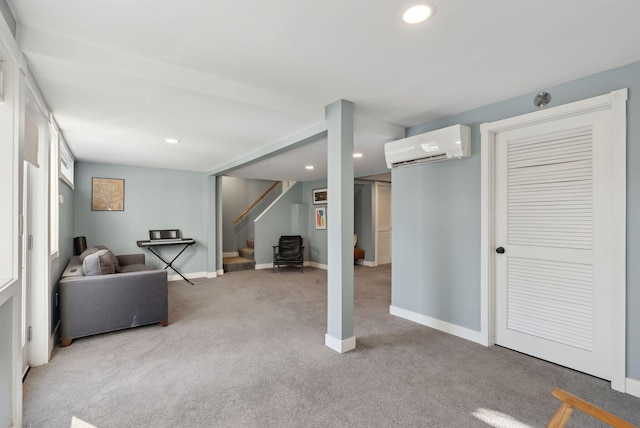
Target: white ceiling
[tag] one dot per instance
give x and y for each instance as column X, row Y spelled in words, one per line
column 229, row 78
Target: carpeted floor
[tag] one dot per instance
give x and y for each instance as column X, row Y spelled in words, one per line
column 247, row 350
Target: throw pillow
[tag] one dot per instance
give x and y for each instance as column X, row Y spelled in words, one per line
column 88, row 252
column 116, row 263
column 95, row 249
column 98, row 263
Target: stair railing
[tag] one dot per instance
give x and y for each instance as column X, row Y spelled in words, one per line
column 261, row 197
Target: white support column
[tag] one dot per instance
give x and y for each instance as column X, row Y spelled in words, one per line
column 339, row 119
column 219, row 269
column 212, row 226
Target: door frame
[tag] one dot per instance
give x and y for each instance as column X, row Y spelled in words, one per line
column 42, row 341
column 26, row 265
column 616, row 101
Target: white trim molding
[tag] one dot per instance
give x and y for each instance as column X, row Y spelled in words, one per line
column 231, row 254
column 338, row 345
column 176, row 277
column 616, row 101
column 456, row 330
column 368, row 263
column 212, row 274
column 305, row 264
column 264, row 266
column 633, row 387
column 317, row 265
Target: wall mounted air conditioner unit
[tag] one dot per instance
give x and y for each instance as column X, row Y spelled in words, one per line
column 446, row 143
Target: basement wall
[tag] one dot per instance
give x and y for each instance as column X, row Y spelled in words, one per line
column 436, row 228
column 154, row 199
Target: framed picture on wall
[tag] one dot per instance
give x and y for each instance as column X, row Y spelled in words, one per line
column 320, row 196
column 107, row 194
column 321, row 218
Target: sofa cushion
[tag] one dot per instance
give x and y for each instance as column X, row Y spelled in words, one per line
column 136, row 267
column 95, row 249
column 98, row 263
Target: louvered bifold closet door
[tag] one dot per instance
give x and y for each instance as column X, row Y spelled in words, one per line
column 550, row 204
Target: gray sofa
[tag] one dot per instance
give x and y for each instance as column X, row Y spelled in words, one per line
column 134, row 296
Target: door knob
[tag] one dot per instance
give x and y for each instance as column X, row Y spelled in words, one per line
column 500, row 250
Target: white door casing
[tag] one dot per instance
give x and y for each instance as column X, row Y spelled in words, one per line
column 26, row 266
column 41, row 344
column 565, row 263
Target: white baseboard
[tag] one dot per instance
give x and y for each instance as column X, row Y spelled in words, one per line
column 633, row 387
column 338, row 345
column 453, row 329
column 220, row 272
column 369, row 264
column 212, row 274
column 176, row 277
column 317, row 265
column 231, row 254
column 305, row 264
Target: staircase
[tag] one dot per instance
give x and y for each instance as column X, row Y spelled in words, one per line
column 245, row 260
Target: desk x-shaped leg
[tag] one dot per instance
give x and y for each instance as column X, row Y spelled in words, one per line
column 170, row 264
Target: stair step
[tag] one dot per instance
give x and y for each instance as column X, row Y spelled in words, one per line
column 235, row 264
column 247, row 253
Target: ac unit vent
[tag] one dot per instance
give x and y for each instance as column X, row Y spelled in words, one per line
column 446, row 143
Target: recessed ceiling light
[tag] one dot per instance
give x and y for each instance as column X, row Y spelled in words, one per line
column 357, row 155
column 172, row 140
column 417, row 13
column 309, row 167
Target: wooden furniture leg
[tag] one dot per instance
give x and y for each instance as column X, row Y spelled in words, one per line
column 569, row 402
column 65, row 342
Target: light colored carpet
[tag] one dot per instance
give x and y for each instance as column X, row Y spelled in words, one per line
column 247, row 350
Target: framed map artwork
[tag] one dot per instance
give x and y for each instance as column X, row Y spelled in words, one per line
column 107, row 194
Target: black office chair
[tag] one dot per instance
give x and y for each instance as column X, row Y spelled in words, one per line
column 289, row 251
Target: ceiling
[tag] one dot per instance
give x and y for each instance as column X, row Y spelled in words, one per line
column 230, row 78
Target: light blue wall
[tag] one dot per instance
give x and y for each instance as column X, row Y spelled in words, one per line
column 154, row 199
column 285, row 217
column 316, row 243
column 66, row 235
column 436, row 214
column 436, row 240
column 237, row 195
column 363, row 221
